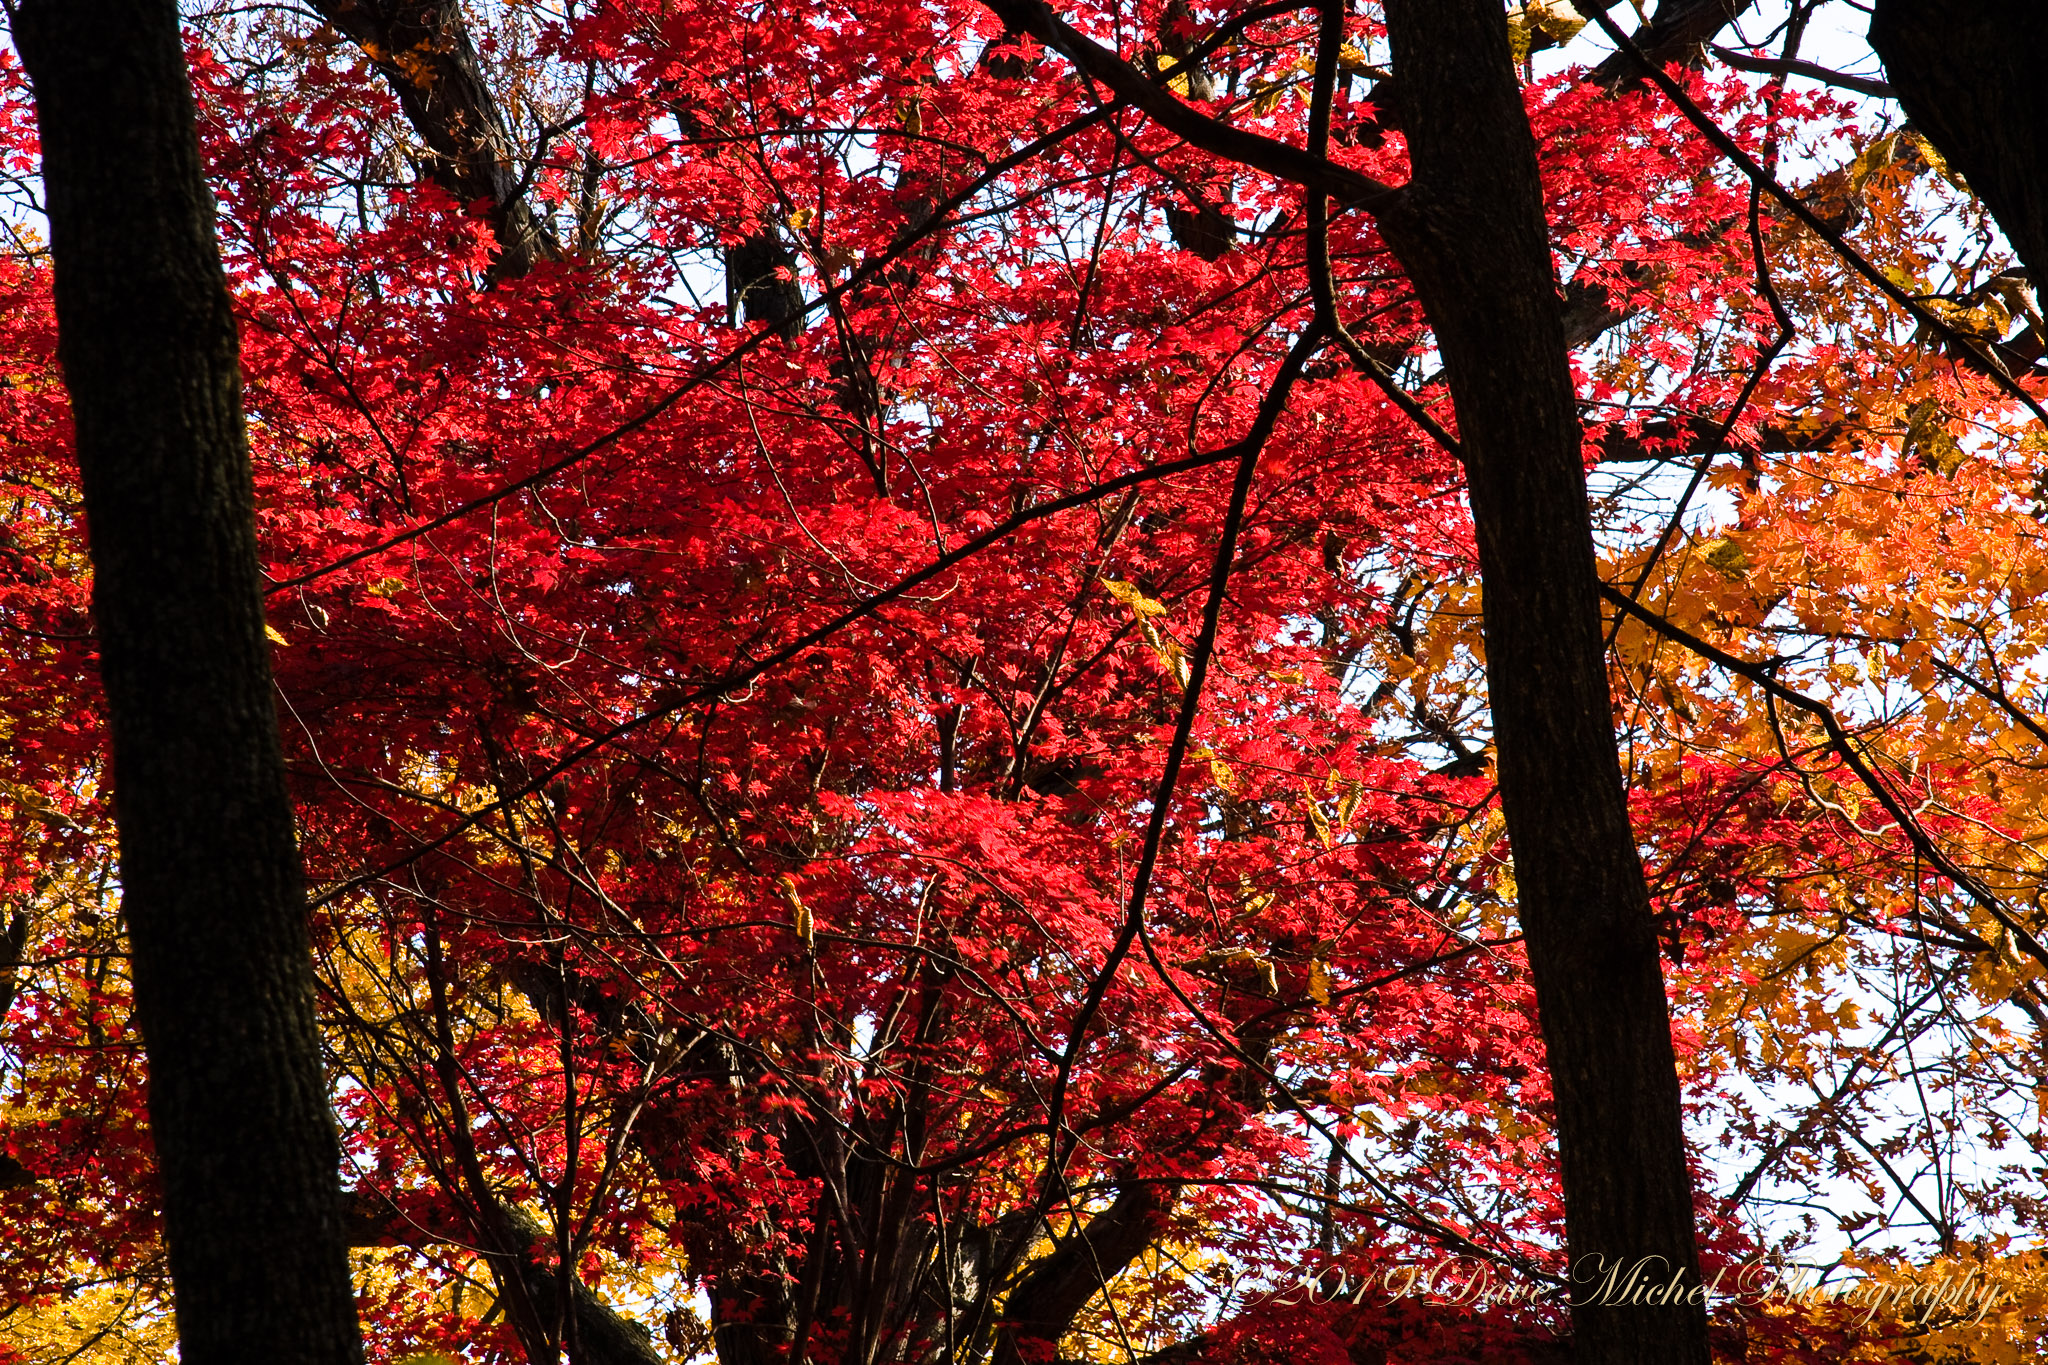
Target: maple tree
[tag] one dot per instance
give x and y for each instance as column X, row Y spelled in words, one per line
column 880, row 652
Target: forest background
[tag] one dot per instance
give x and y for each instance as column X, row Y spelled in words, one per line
column 740, row 492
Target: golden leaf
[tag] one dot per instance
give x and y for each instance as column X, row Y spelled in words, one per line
column 1317, row 821
column 1130, row 595
column 1928, row 438
column 1556, row 20
column 798, row 908
column 1879, row 154
column 1351, row 59
column 1933, row 157
column 1726, row 556
column 1347, row 804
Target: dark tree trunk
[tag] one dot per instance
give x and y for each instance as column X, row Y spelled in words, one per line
column 1968, row 72
column 1204, row 225
column 603, row 1335
column 423, row 51
column 209, row 868
column 1043, row 1306
column 760, row 283
column 1678, row 31
column 1472, row 238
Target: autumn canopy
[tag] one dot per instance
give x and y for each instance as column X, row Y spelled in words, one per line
column 992, row 681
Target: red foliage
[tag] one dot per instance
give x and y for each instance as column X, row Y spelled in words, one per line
column 705, row 947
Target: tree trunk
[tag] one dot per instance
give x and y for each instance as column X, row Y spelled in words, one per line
column 757, row 289
column 1968, row 73
column 423, row 51
column 604, row 1336
column 1043, row 1306
column 1473, row 240
column 209, row 867
column 1678, row 31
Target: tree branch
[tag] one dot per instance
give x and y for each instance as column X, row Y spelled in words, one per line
column 422, row 49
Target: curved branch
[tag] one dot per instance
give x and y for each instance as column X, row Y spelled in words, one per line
column 1131, row 86
column 1763, row 675
column 423, row 51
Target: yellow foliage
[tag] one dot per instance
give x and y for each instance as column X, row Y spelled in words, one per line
column 1557, row 20
column 102, row 1324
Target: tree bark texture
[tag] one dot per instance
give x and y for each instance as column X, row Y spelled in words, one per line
column 760, row 284
column 1677, row 31
column 1968, row 73
column 603, row 1335
column 210, row 874
column 1043, row 1306
column 423, row 51
column 1472, row 238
